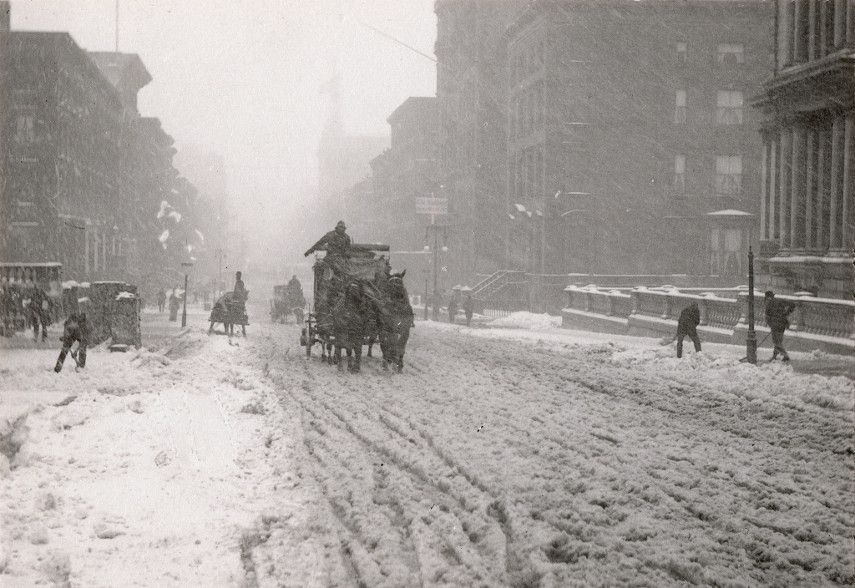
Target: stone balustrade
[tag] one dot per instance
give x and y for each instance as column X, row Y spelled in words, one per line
column 815, row 323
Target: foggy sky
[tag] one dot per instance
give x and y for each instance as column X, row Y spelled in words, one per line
column 242, row 78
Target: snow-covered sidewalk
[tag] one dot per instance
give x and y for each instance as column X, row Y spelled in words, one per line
column 150, row 469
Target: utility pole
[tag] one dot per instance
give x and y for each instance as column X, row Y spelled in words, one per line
column 187, row 265
column 435, row 271
column 751, row 338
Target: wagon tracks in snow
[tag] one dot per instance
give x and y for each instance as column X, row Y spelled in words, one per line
column 512, row 462
column 633, row 449
column 406, row 515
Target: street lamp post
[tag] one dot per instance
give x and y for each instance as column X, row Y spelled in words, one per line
column 187, row 265
column 427, row 279
column 434, row 228
column 751, row 338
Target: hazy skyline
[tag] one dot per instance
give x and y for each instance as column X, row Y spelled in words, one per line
column 243, row 79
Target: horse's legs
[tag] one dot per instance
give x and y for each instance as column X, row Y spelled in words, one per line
column 401, row 346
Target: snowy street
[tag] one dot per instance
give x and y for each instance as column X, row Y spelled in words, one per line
column 501, row 456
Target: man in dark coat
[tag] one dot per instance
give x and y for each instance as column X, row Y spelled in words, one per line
column 468, row 308
column 74, row 329
column 161, row 300
column 238, row 307
column 38, row 310
column 777, row 319
column 336, row 243
column 687, row 326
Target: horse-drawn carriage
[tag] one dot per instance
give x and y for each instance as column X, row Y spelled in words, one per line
column 230, row 311
column 357, row 301
column 287, row 300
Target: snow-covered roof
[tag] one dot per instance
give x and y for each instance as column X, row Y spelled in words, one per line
column 729, row 212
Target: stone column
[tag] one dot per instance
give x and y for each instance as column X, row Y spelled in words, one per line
column 772, row 227
column 847, row 218
column 810, row 186
column 764, row 196
column 799, row 50
column 823, row 20
column 785, row 35
column 850, row 24
column 813, row 34
column 86, row 251
column 797, row 191
column 784, row 178
column 834, row 207
column 839, row 22
column 821, row 186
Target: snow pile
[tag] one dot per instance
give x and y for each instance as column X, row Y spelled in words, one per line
column 527, row 320
column 726, row 375
column 147, row 474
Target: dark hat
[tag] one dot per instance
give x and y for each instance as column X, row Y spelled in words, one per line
column 340, row 224
column 769, row 294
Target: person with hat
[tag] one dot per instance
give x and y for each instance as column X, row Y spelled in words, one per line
column 336, row 242
column 74, row 329
column 777, row 319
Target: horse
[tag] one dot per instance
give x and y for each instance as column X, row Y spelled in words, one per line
column 396, row 318
column 351, row 315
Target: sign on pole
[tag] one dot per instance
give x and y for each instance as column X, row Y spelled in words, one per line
column 431, row 206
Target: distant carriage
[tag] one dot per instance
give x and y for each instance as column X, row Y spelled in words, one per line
column 287, row 301
column 230, row 312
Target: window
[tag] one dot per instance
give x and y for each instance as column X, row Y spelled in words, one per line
column 680, row 174
column 680, row 107
column 680, row 52
column 728, row 175
column 25, row 128
column 729, row 108
column 730, row 54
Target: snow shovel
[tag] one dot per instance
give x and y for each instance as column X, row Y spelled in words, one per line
column 744, row 359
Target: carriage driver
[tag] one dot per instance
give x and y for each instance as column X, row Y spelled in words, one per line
column 336, row 242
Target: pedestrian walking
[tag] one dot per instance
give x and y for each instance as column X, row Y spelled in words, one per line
column 467, row 308
column 777, row 319
column 452, row 307
column 161, row 300
column 74, row 329
column 174, row 304
column 687, row 326
column 237, row 308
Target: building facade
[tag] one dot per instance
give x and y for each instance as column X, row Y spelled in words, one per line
column 407, row 170
column 84, row 174
column 471, row 87
column 807, row 225
column 630, row 149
